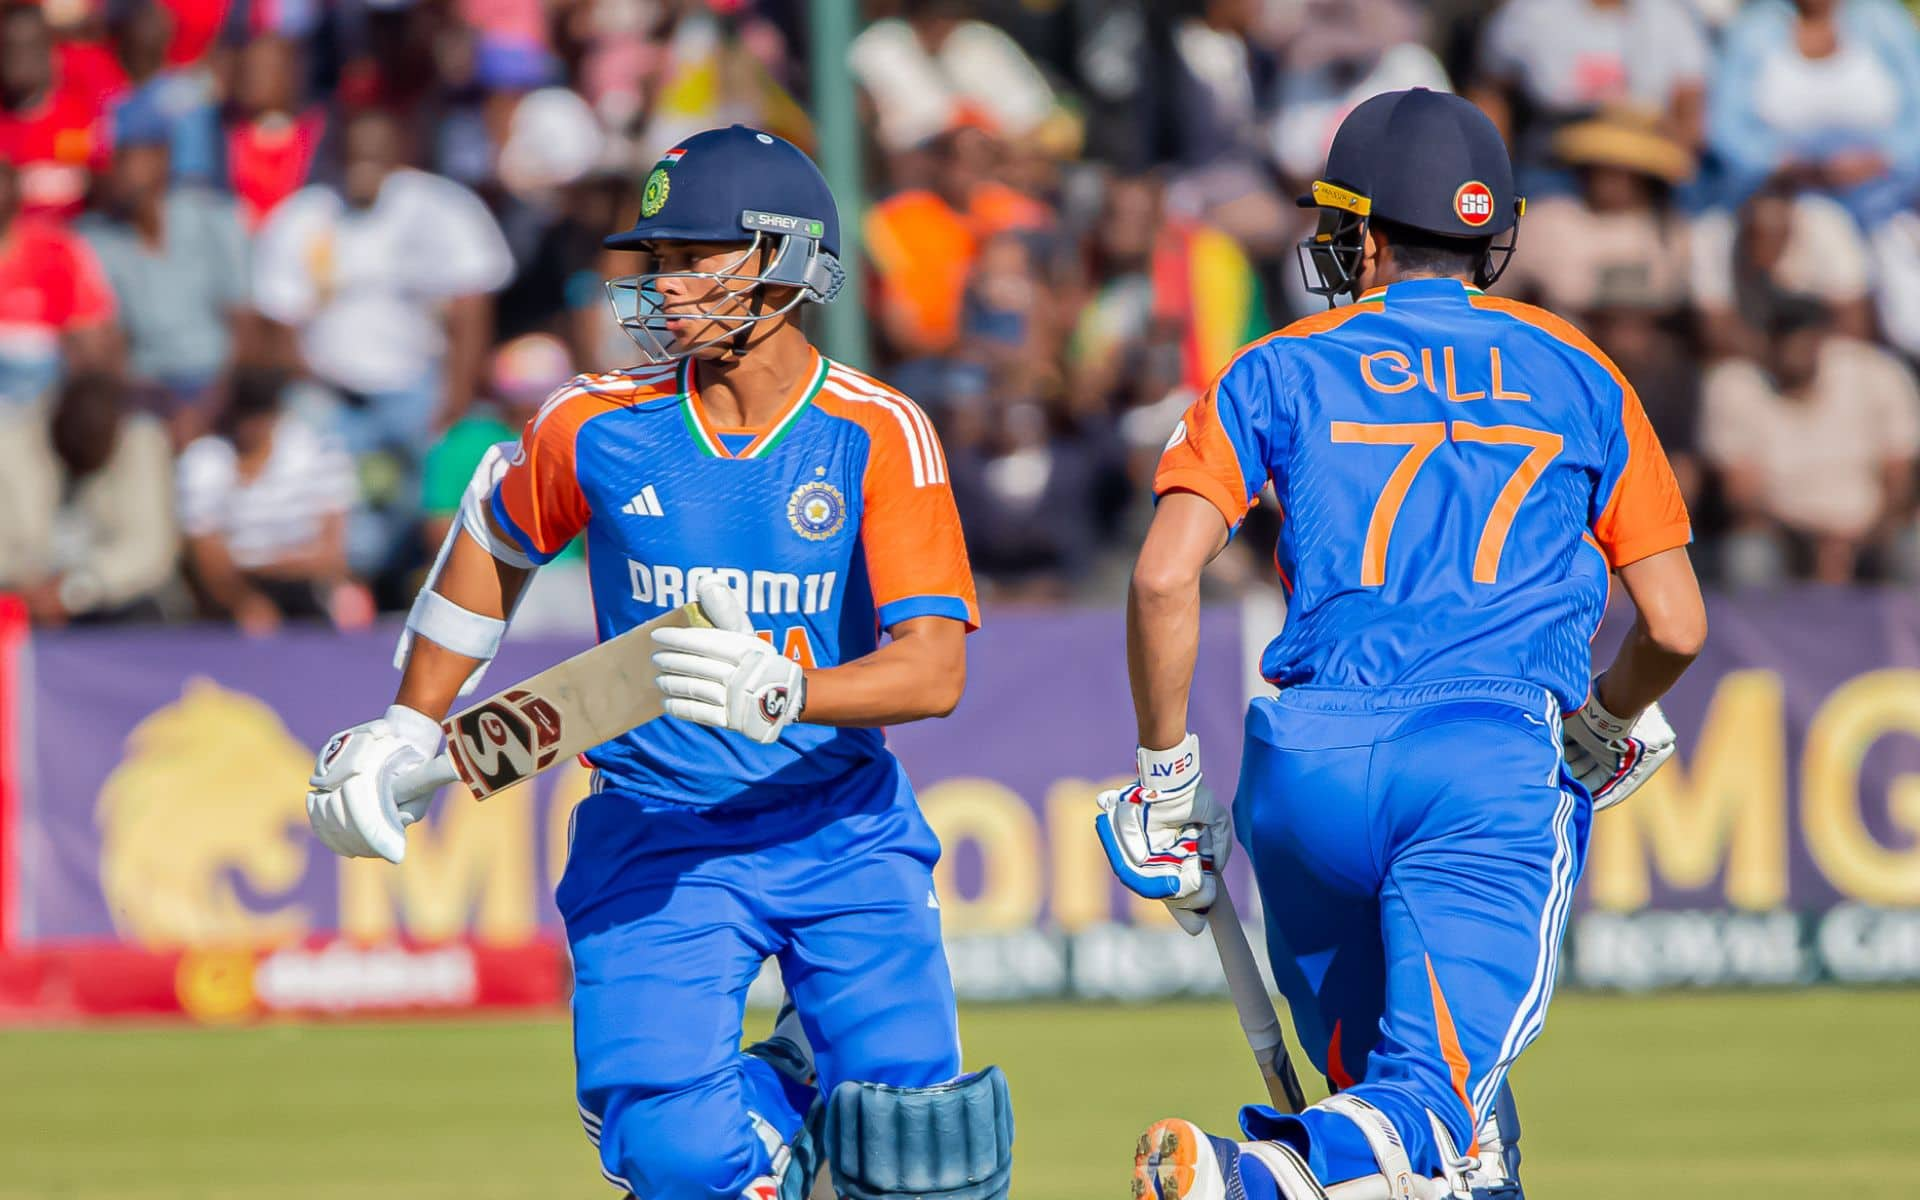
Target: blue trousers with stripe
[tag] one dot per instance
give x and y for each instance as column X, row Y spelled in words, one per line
column 670, row 915
column 1416, row 850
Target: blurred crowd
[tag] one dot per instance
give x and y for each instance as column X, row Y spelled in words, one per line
column 274, row 273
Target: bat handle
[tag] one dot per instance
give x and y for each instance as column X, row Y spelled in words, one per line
column 430, row 776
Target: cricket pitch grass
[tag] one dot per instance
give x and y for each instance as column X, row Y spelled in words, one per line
column 1695, row 1096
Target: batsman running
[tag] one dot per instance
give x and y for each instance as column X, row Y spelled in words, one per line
column 804, row 507
column 1459, row 475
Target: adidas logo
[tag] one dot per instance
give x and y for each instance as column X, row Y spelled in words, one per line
column 644, row 504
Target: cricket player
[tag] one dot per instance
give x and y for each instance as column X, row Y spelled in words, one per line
column 805, row 507
column 1459, row 476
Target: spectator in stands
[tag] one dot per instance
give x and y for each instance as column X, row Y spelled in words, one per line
column 179, row 99
column 1544, row 63
column 385, row 283
column 922, row 241
column 176, row 257
column 1338, row 53
column 1029, row 496
column 920, row 71
column 1815, row 450
column 1823, row 95
column 1222, row 88
column 1173, row 299
column 54, row 300
column 49, row 124
column 1619, row 233
column 264, row 502
column 98, row 541
column 273, row 138
column 1781, row 242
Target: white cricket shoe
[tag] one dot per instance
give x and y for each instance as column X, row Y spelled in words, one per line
column 1177, row 1160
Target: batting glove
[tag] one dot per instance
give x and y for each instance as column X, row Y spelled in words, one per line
column 1165, row 836
column 725, row 676
column 1611, row 755
column 370, row 783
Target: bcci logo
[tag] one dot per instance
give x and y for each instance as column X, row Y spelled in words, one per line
column 817, row 510
column 1473, row 203
column 654, row 197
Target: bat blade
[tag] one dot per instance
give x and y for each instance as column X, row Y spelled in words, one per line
column 570, row 707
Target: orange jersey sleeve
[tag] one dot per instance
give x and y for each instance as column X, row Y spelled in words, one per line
column 916, row 553
column 1644, row 513
column 1217, row 451
column 538, row 500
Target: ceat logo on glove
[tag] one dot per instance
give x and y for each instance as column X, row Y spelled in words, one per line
column 773, row 703
column 1177, row 767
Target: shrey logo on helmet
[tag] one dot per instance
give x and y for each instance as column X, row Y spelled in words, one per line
column 1473, row 203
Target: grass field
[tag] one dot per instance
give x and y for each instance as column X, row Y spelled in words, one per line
column 1697, row 1096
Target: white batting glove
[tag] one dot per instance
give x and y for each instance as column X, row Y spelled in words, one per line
column 1166, row 837
column 1613, row 756
column 368, row 784
column 725, row 676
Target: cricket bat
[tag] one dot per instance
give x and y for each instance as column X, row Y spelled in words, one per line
column 1258, row 1021
column 570, row 707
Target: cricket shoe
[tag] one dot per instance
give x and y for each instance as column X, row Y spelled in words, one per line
column 1177, row 1160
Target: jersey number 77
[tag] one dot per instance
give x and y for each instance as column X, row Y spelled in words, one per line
column 1422, row 438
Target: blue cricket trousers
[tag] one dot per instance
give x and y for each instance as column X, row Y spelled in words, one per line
column 1416, row 849
column 670, row 914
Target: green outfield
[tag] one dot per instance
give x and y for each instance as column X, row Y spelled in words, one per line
column 1697, row 1096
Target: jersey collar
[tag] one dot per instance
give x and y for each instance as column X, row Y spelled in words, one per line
column 1408, row 289
column 706, row 435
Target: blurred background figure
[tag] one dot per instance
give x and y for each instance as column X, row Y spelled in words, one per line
column 49, row 116
column 384, row 284
column 1619, row 231
column 1779, row 241
column 176, row 259
column 263, row 502
column 1822, row 93
column 273, row 136
column 1815, row 445
column 89, row 532
column 1544, row 63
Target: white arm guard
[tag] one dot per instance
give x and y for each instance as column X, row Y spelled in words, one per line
column 439, row 619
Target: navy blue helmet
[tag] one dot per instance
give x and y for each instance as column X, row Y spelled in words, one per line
column 1430, row 161
column 732, row 185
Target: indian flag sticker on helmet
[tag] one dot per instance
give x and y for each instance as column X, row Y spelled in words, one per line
column 653, row 197
column 1473, row 203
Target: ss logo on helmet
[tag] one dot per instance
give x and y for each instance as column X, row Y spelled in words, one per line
column 1473, row 203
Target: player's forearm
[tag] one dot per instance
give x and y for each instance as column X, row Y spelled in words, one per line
column 1163, row 641
column 1669, row 629
column 921, row 673
column 480, row 583
column 1163, row 614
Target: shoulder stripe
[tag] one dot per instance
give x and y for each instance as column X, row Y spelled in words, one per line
column 929, row 465
column 611, row 387
column 936, row 460
column 923, row 470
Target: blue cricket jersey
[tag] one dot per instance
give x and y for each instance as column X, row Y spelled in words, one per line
column 833, row 523
column 1458, row 474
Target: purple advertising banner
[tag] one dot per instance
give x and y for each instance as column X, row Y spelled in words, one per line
column 160, row 803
